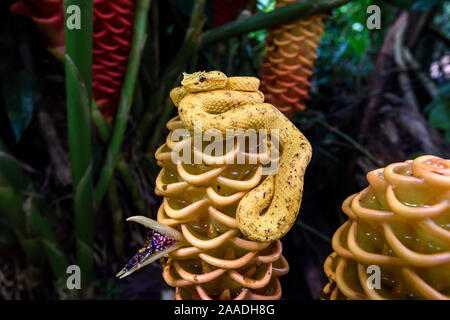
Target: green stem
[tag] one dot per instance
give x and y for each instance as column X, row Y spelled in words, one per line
column 270, row 19
column 126, row 97
column 78, row 63
column 101, row 125
column 188, row 48
column 123, row 168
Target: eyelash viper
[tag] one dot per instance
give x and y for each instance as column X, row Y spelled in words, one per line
column 267, row 212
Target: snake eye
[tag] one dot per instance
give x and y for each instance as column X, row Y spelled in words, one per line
column 202, row 78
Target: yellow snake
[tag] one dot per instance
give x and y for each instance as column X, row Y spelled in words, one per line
column 223, row 103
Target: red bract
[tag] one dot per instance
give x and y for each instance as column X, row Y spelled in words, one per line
column 113, row 32
column 48, row 17
column 225, row 11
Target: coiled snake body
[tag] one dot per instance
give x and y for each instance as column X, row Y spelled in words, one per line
column 224, row 103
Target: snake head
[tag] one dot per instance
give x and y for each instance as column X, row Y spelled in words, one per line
column 159, row 241
column 204, row 81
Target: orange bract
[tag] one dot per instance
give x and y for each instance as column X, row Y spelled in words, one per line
column 400, row 223
column 289, row 62
column 200, row 200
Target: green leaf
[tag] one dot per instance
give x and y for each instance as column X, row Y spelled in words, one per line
column 11, row 208
column 56, row 258
column 78, row 63
column 439, row 111
column 78, row 111
column 340, row 51
column 25, row 215
column 416, row 155
column 7, row 238
column 11, row 172
column 440, row 115
column 19, row 94
column 30, row 228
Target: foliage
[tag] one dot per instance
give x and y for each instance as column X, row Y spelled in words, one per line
column 439, row 111
column 348, row 47
column 19, row 93
column 424, row 5
column 24, row 212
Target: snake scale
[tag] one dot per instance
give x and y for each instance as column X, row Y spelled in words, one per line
column 218, row 102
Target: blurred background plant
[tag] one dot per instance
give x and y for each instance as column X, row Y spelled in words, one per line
column 70, row 173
